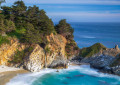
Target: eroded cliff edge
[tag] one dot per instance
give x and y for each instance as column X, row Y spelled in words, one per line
column 17, row 54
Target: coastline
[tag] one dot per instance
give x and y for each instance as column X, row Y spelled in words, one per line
column 6, row 75
column 10, row 74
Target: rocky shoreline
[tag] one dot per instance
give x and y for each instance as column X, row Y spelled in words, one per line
column 107, row 61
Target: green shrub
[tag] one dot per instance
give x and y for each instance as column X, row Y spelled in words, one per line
column 14, row 34
column 90, row 51
column 4, row 39
column 19, row 55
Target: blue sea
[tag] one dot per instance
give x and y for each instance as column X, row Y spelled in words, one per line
column 86, row 34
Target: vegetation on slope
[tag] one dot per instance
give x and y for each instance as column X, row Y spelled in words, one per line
column 31, row 25
column 90, row 51
column 4, row 40
column 66, row 30
column 19, row 55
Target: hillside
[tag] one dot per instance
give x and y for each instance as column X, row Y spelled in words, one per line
column 29, row 39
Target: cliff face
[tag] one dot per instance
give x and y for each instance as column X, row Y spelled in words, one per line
column 52, row 56
column 57, row 55
column 8, row 50
column 36, row 60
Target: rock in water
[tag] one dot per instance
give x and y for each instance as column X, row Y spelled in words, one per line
column 116, row 47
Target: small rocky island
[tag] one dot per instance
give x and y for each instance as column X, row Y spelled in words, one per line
column 29, row 40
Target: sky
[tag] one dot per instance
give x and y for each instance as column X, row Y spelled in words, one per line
column 78, row 10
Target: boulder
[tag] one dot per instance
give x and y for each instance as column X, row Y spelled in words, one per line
column 99, row 62
column 58, row 63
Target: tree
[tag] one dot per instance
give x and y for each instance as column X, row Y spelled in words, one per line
column 19, row 8
column 7, row 12
column 40, row 20
column 2, row 25
column 31, row 36
column 6, row 25
column 9, row 25
column 18, row 11
column 64, row 29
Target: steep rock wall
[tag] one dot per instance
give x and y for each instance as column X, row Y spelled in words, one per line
column 7, row 51
column 53, row 57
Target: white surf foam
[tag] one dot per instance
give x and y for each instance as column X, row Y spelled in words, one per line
column 85, row 36
column 27, row 79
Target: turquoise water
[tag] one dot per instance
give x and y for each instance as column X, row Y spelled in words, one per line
column 74, row 75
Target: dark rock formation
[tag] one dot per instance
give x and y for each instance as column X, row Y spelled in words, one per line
column 58, row 63
column 99, row 62
column 116, row 47
column 107, row 61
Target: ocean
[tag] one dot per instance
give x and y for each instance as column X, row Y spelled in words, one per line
column 74, row 75
column 85, row 34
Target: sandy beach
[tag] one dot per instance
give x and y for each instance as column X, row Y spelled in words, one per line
column 7, row 73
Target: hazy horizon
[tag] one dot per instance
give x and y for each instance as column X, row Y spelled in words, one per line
column 78, row 10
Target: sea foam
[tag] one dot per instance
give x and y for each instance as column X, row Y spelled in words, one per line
column 29, row 78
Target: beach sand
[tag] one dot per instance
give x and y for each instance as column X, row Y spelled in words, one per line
column 7, row 73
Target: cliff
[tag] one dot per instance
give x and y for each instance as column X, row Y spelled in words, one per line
column 7, row 51
column 53, row 55
column 38, row 43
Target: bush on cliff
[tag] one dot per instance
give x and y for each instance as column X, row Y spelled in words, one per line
column 19, row 55
column 6, row 25
column 4, row 40
column 90, row 51
column 66, row 30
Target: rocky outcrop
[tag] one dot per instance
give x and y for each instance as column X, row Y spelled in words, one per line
column 99, row 62
column 53, row 56
column 116, row 47
column 111, row 52
column 59, row 63
column 115, row 65
column 35, row 61
column 106, row 61
column 8, row 50
column 57, row 52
